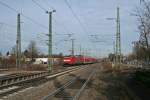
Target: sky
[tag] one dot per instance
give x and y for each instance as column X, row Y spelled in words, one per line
column 87, row 23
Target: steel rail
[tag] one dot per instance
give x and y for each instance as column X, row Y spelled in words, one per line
column 59, row 89
column 83, row 87
column 3, row 93
column 19, row 79
column 67, row 84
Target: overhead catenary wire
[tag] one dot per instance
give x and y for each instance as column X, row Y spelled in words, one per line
column 61, row 24
column 64, row 27
column 11, row 8
column 40, row 6
column 75, row 16
column 10, row 25
column 13, row 26
column 35, row 22
column 14, row 10
column 47, row 3
column 32, row 20
column 45, row 10
column 25, row 16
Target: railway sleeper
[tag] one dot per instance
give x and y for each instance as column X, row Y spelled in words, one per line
column 19, row 79
column 15, row 80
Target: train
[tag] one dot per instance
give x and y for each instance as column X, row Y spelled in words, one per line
column 78, row 60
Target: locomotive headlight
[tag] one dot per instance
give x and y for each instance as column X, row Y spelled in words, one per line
column 67, row 60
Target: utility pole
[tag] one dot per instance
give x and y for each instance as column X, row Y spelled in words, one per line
column 114, row 52
column 118, row 41
column 18, row 43
column 50, row 41
column 72, row 51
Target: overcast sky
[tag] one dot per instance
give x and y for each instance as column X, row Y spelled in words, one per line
column 92, row 15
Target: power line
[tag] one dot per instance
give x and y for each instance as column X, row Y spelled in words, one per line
column 45, row 10
column 4, row 4
column 13, row 9
column 35, row 22
column 64, row 27
column 39, row 5
column 47, row 3
column 61, row 24
column 10, row 25
column 74, row 14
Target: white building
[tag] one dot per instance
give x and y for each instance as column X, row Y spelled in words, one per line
column 41, row 61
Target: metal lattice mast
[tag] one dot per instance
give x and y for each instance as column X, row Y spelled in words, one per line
column 119, row 37
column 114, row 47
column 118, row 40
column 18, row 43
column 72, row 51
column 50, row 41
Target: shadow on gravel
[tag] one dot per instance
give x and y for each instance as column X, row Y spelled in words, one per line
column 139, row 88
column 63, row 93
column 79, row 83
column 109, row 86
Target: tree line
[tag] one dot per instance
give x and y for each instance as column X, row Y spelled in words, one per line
column 141, row 49
column 31, row 52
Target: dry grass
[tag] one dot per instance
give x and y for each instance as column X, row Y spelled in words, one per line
column 107, row 66
column 35, row 68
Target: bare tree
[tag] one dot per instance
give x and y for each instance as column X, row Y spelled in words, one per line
column 144, row 24
column 13, row 50
column 143, row 17
column 32, row 50
column 0, row 59
column 0, row 54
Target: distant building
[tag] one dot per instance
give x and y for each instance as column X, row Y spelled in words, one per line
column 55, row 61
column 41, row 61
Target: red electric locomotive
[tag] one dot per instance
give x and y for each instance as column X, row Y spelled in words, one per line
column 76, row 60
column 71, row 60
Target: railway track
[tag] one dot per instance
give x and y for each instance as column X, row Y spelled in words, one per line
column 1, row 70
column 60, row 93
column 14, row 83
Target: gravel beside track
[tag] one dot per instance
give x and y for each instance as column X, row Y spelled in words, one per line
column 36, row 89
